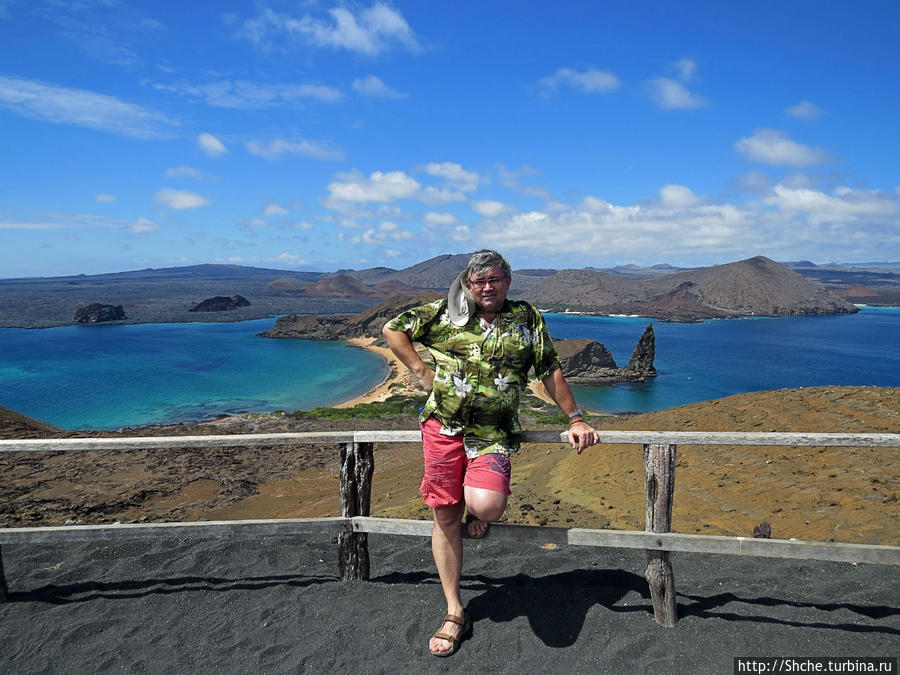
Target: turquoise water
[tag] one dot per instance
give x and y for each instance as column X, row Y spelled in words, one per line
column 703, row 361
column 106, row 377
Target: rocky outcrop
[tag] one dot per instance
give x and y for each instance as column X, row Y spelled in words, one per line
column 365, row 324
column 585, row 360
column 98, row 313
column 221, row 303
column 641, row 363
column 589, row 362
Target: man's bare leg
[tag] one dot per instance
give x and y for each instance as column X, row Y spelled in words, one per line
column 447, row 549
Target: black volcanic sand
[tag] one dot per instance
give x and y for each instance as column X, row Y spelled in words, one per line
column 275, row 605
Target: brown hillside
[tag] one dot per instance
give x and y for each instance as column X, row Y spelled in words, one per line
column 341, row 286
column 757, row 286
column 16, row 425
column 855, row 292
column 285, row 284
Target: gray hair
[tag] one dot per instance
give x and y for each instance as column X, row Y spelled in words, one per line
column 485, row 260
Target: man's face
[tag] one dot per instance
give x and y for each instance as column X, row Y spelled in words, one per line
column 489, row 289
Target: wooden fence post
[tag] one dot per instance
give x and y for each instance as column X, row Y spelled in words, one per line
column 659, row 483
column 357, row 466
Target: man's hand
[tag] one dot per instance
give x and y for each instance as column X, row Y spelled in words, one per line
column 425, row 377
column 581, row 436
column 401, row 344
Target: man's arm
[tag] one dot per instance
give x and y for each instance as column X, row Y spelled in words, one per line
column 401, row 344
column 581, row 434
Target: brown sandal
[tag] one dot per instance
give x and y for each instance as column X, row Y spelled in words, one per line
column 465, row 624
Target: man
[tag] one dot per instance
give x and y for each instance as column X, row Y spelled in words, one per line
column 484, row 347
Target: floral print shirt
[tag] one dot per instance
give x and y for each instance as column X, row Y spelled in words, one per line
column 480, row 369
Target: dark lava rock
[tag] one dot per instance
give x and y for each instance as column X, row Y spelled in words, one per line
column 221, row 303
column 98, row 313
column 585, row 359
column 589, row 362
column 762, row 531
column 641, row 363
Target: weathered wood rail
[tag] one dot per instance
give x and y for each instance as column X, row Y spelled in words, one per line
column 355, row 523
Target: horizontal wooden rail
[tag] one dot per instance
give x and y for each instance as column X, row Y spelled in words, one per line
column 338, row 437
column 205, row 528
column 633, row 539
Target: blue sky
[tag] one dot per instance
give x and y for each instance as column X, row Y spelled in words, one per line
column 322, row 135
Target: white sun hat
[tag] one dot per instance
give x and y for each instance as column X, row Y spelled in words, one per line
column 460, row 303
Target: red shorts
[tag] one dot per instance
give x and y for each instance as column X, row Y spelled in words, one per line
column 447, row 469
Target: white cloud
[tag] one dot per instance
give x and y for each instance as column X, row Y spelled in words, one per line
column 299, row 146
column 439, row 219
column 677, row 196
column 184, row 172
column 211, row 145
column 771, row 146
column 624, row 231
column 374, row 87
column 55, row 220
column 467, row 181
column 461, row 233
column 299, row 225
column 246, row 95
column 143, row 226
column 290, row 258
column 432, row 194
column 104, row 198
column 513, row 181
column 369, row 31
column 805, row 110
column 843, row 206
column 275, row 210
column 19, row 225
column 378, row 187
column 754, row 182
column 180, row 200
column 590, row 81
column 63, row 105
column 788, row 223
column 673, row 95
column 685, row 68
column 489, row 208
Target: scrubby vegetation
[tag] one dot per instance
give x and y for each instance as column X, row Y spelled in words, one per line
column 392, row 407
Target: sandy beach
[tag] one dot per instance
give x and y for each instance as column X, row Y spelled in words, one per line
column 398, row 379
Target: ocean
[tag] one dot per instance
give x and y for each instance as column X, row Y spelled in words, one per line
column 716, row 358
column 108, row 377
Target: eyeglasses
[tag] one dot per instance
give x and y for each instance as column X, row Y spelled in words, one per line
column 490, row 281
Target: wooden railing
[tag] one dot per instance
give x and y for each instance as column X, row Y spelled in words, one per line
column 354, row 524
